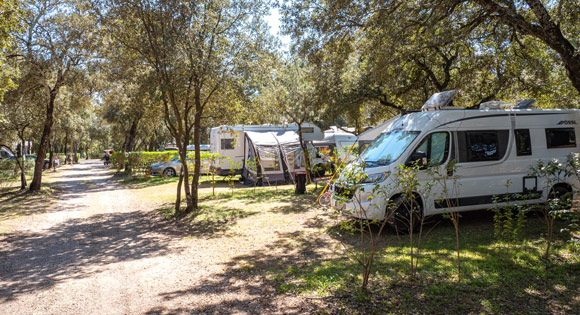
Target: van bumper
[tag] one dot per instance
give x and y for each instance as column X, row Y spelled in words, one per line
column 366, row 209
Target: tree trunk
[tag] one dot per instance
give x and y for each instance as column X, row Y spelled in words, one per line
column 75, row 148
column 87, row 145
column 23, row 183
column 65, row 150
column 178, row 197
column 552, row 35
column 51, row 155
column 197, row 165
column 37, row 178
column 129, row 144
column 306, row 153
column 183, row 156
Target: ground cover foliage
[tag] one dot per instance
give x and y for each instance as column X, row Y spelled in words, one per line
column 503, row 263
column 497, row 277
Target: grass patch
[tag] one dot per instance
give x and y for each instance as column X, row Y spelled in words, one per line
column 496, row 278
column 15, row 203
column 142, row 181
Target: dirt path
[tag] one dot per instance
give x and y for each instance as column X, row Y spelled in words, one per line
column 101, row 251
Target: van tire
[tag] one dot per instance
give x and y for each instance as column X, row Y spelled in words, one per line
column 399, row 219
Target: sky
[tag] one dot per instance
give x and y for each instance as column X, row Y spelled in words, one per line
column 274, row 22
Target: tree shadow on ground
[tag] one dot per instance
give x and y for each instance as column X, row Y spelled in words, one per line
column 207, row 222
column 293, row 267
column 252, row 280
column 17, row 203
column 496, row 278
column 290, row 202
column 38, row 260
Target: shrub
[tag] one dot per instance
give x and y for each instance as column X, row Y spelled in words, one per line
column 137, row 163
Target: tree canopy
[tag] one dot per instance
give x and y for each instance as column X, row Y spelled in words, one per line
column 85, row 76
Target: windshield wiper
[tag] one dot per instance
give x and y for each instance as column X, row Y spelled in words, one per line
column 375, row 163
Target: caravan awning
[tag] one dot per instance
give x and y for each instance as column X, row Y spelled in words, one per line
column 262, row 138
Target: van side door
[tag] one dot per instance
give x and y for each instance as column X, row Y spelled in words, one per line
column 481, row 171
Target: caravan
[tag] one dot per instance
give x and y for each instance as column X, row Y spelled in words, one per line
column 336, row 142
column 229, row 142
column 493, row 149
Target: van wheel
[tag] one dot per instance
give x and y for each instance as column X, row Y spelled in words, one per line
column 562, row 193
column 400, row 215
column 169, row 172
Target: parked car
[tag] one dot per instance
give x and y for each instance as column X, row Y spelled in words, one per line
column 5, row 154
column 202, row 147
column 26, row 156
column 172, row 167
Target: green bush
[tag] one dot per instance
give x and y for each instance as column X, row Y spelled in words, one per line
column 10, row 171
column 118, row 160
column 138, row 163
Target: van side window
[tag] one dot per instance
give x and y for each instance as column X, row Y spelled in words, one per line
column 560, row 138
column 482, row 145
column 227, row 144
column 436, row 147
column 523, row 142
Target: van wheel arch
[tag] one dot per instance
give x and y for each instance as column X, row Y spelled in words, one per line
column 399, row 224
column 416, row 196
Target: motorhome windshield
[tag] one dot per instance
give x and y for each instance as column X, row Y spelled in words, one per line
column 388, row 147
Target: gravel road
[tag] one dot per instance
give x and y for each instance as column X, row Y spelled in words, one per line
column 100, row 250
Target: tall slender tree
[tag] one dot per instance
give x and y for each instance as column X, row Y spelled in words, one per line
column 198, row 50
column 54, row 44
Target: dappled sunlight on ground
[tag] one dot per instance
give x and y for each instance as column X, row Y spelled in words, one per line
column 103, row 243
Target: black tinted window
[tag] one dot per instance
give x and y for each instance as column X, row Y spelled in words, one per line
column 560, row 138
column 483, row 145
column 523, row 142
column 227, row 144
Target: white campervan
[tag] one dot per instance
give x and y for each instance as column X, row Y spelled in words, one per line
column 491, row 147
column 228, row 141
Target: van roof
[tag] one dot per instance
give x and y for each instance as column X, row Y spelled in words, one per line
column 490, row 118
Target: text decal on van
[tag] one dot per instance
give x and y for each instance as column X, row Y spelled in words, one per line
column 567, row 122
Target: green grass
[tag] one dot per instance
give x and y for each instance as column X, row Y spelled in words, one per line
column 15, row 203
column 141, row 181
column 496, row 277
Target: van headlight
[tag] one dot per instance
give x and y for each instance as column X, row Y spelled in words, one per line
column 375, row 178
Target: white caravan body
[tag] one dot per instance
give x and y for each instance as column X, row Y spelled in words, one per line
column 228, row 141
column 339, row 140
column 493, row 150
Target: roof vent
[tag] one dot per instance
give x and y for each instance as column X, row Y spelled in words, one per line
column 525, row 104
column 495, row 105
column 439, row 101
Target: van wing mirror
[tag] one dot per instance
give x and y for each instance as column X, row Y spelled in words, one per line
column 418, row 157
